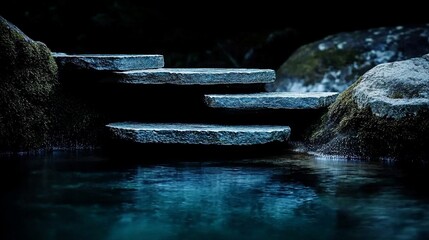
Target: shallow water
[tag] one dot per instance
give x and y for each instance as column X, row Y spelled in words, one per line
column 293, row 196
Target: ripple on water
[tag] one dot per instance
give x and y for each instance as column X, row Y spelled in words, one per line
column 297, row 196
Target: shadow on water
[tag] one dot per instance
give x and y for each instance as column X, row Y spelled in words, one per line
column 281, row 195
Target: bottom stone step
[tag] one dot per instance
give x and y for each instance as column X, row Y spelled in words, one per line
column 199, row 134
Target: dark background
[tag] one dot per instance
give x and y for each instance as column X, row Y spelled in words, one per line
column 209, row 34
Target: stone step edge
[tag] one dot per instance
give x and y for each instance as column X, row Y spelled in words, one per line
column 199, row 134
column 109, row 62
column 195, row 76
column 271, row 100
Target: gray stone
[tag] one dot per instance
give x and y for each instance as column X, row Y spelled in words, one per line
column 272, row 100
column 384, row 114
column 395, row 89
column 109, row 62
column 202, row 134
column 196, row 76
column 335, row 62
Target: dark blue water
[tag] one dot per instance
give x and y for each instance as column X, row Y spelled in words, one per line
column 285, row 197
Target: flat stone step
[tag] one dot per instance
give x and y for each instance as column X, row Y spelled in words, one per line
column 109, row 62
column 201, row 134
column 271, row 100
column 196, row 76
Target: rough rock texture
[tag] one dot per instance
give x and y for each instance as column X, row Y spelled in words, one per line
column 109, row 62
column 28, row 76
column 334, row 63
column 384, row 114
column 196, row 76
column 395, row 90
column 272, row 100
column 203, row 134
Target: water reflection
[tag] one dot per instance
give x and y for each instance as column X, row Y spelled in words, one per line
column 285, row 197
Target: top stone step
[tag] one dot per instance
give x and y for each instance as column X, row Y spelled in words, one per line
column 196, row 76
column 109, row 62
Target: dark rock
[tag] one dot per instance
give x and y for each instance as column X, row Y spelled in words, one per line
column 334, row 63
column 384, row 114
column 28, row 77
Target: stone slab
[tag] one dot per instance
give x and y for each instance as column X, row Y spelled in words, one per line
column 196, row 76
column 109, row 62
column 271, row 100
column 200, row 134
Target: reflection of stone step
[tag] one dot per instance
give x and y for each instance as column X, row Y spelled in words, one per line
column 196, row 76
column 109, row 62
column 271, row 100
column 201, row 134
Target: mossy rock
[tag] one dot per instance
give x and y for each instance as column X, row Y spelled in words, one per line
column 28, row 78
column 335, row 62
column 376, row 119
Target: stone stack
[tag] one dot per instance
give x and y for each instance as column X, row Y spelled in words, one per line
column 211, row 92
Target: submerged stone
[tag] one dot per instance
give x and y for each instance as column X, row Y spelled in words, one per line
column 109, row 62
column 271, row 100
column 196, row 76
column 201, row 134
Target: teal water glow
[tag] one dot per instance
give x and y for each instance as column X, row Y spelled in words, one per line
column 288, row 197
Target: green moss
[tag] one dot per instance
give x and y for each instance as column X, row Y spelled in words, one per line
column 347, row 130
column 36, row 111
column 310, row 63
column 75, row 124
column 396, row 95
column 402, row 91
column 28, row 77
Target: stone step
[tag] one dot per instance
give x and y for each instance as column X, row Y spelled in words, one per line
column 196, row 76
column 108, row 62
column 199, row 134
column 271, row 100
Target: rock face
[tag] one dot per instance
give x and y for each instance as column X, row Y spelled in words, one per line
column 28, row 76
column 202, row 134
column 395, row 90
column 384, row 114
column 271, row 100
column 334, row 63
column 109, row 62
column 196, row 76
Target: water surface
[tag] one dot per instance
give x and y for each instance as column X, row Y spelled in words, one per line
column 292, row 196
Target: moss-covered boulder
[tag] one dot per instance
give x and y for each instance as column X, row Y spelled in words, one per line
column 28, row 76
column 334, row 63
column 383, row 114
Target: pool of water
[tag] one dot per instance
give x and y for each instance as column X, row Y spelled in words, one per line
column 291, row 196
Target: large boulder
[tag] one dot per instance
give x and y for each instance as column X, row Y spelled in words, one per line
column 28, row 76
column 383, row 114
column 334, row 63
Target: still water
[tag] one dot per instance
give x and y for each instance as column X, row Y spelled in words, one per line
column 291, row 196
